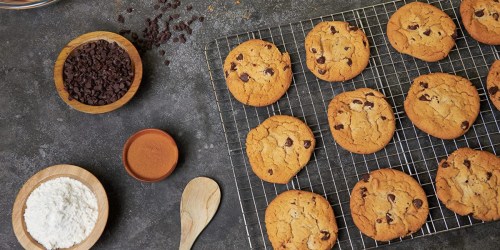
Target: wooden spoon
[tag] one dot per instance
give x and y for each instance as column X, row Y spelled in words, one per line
column 200, row 200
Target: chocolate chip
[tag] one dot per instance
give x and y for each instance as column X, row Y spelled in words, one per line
column 333, row 30
column 445, row 164
column 313, row 50
column 427, row 32
column 363, row 192
column 369, row 104
column 357, row 102
column 383, row 118
column 269, row 46
column 352, row 28
column 321, row 60
column 364, row 43
column 495, row 16
column 370, row 94
column 417, row 203
column 189, row 7
column 129, row 10
column 349, row 62
column 239, row 57
column 269, row 71
column 233, row 66
column 307, row 144
column 424, row 85
column 391, row 197
column 493, row 90
column 326, row 235
column 321, row 71
column 425, row 98
column 346, row 48
column 488, row 175
column 388, row 217
column 270, row 171
column 121, row 19
column 289, row 142
column 124, row 32
column 286, row 67
column 244, row 77
column 454, row 35
column 166, row 62
column 413, row 27
column 464, row 125
column 156, row 6
column 338, row 127
column 467, row 163
column 201, row 19
column 365, row 177
column 227, row 74
column 379, row 220
column 479, row 13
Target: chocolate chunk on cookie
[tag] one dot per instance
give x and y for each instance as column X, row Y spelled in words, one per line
column 279, row 148
column 301, row 220
column 493, row 83
column 468, row 183
column 257, row 73
column 390, row 204
column 481, row 20
column 361, row 121
column 442, row 105
column 336, row 51
column 422, row 31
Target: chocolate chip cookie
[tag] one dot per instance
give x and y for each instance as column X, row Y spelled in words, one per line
column 279, row 148
column 422, row 31
column 481, row 20
column 387, row 204
column 442, row 105
column 493, row 83
column 336, row 51
column 257, row 73
column 468, row 183
column 361, row 121
column 301, row 220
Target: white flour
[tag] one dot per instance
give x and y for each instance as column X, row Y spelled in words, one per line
column 61, row 213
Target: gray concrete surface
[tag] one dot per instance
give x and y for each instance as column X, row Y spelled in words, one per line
column 37, row 129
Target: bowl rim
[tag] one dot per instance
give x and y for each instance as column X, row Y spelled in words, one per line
column 24, row 6
column 89, row 37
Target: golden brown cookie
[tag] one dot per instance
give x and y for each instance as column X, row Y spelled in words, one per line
column 468, row 183
column 442, row 105
column 301, row 220
column 481, row 20
column 279, row 148
column 493, row 83
column 361, row 121
column 257, row 73
column 387, row 204
column 422, row 31
column 336, row 51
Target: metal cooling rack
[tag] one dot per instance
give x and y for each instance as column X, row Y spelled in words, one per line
column 333, row 171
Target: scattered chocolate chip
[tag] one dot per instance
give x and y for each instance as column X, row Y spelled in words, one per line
column 307, row 144
column 326, row 235
column 365, row 177
column 357, row 102
column 162, row 52
column 388, row 217
column 464, row 125
column 333, row 30
column 134, row 36
column 417, row 203
column 244, row 77
column 493, row 90
column 495, row 16
column 156, row 6
column 454, row 35
column 467, row 163
column 352, row 28
column 201, row 19
column 425, row 98
column 369, row 104
column 413, row 27
column 270, row 171
column 129, row 10
column 321, row 60
column 313, row 50
column 391, row 197
column 349, row 62
column 321, row 71
column 124, row 32
column 121, row 19
column 488, row 175
column 166, row 62
column 479, row 13
column 175, row 40
column 427, row 32
column 239, row 57
column 383, row 118
column 424, row 85
column 269, row 71
column 379, row 220
column 189, row 7
column 338, row 127
column 286, row 67
column 289, row 142
column 233, row 66
column 445, row 164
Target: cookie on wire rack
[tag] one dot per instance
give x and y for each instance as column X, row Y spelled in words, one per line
column 481, row 20
column 493, row 83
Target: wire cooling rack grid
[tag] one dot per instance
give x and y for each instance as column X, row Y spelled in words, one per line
column 333, row 171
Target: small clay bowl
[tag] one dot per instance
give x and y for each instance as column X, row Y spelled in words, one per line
column 135, row 145
column 93, row 36
column 45, row 175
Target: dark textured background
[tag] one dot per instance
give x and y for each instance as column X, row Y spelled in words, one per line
column 37, row 129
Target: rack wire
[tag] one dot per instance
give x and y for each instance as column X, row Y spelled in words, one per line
column 333, row 171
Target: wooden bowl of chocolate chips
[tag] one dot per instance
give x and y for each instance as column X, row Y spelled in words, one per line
column 98, row 72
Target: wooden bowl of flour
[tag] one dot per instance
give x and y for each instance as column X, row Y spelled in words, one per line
column 50, row 173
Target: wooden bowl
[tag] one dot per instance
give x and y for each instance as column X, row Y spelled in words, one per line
column 53, row 172
column 92, row 36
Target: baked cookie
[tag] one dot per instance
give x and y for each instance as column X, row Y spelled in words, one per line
column 481, row 20
column 336, row 51
column 387, row 204
column 257, row 73
column 468, row 183
column 279, row 148
column 301, row 220
column 361, row 121
column 442, row 105
column 422, row 31
column 493, row 83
